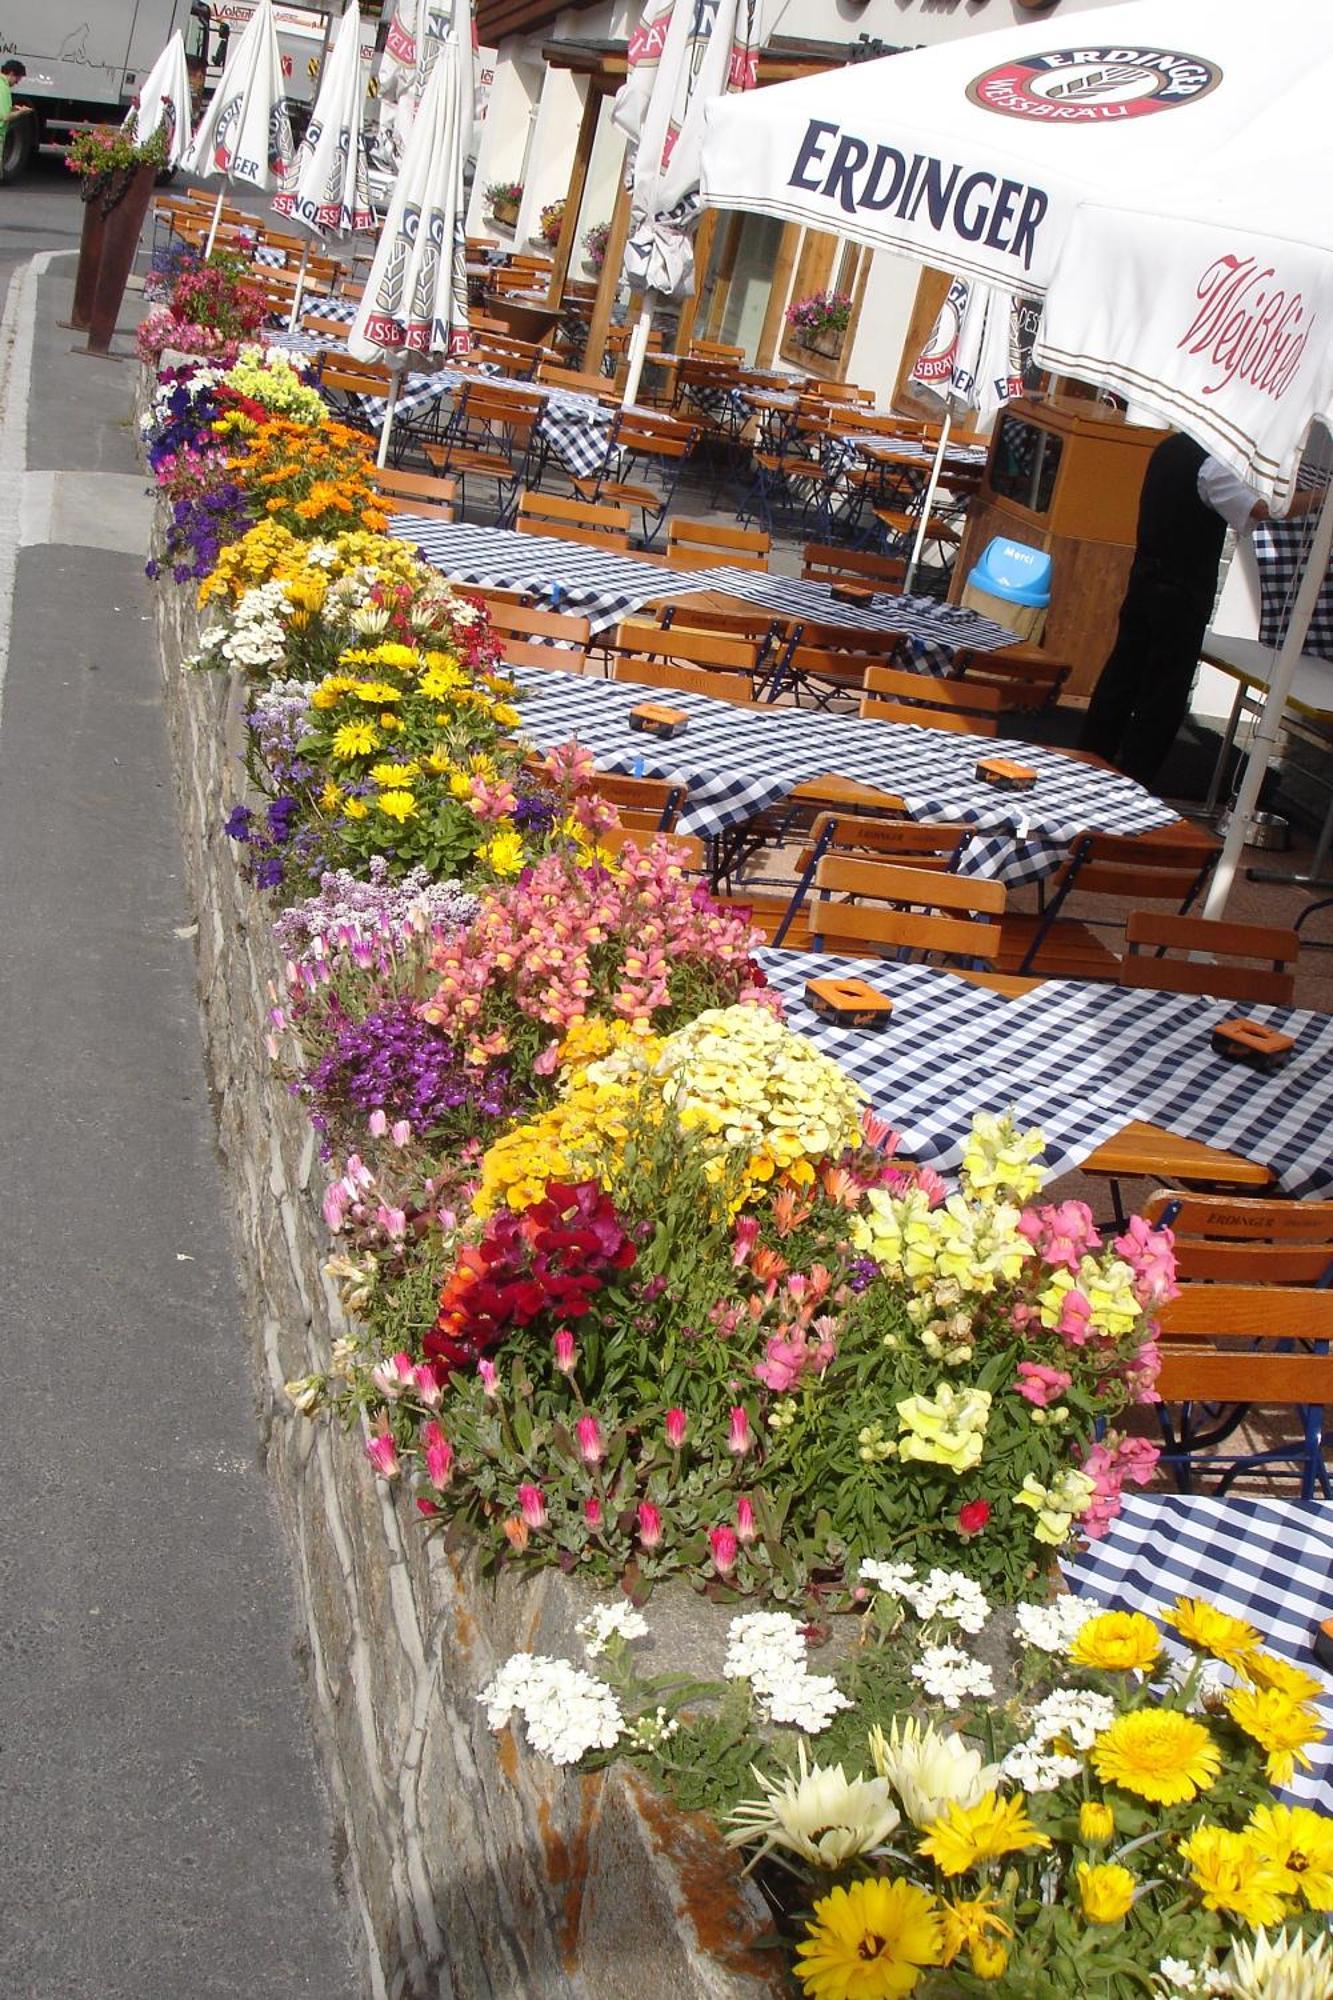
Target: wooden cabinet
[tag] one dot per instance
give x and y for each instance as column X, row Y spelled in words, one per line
column 1064, row 478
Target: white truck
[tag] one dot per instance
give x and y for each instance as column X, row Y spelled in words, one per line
column 85, row 59
column 301, row 26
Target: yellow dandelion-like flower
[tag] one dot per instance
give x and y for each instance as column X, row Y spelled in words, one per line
column 1266, row 1670
column 398, row 805
column 1284, row 1729
column 1118, row 1641
column 1232, row 1875
column 1158, row 1754
column 330, row 798
column 355, row 739
column 355, row 809
column 376, row 693
column 394, row 774
column 1106, row 1891
column 389, row 721
column 1209, row 1630
column 437, row 683
column 970, row 1923
column 871, row 1941
column 966, row 1836
column 1096, row 1822
column 1299, row 1843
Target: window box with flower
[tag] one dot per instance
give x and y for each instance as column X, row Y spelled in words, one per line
column 504, row 198
column 820, row 322
column 552, row 222
column 594, row 245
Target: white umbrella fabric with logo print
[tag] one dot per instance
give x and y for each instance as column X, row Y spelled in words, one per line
column 415, row 299
column 164, row 99
column 328, row 190
column 245, row 135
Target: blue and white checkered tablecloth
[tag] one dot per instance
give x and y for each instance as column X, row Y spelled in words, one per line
column 1080, row 1061
column 1268, row 1561
column 933, row 631
column 601, row 585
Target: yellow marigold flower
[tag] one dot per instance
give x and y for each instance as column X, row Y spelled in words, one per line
column 968, row 1924
column 355, row 739
column 504, row 852
column 398, row 805
column 1158, row 1754
column 1209, row 1630
column 1232, row 1876
column 1299, row 1843
column 1266, row 1670
column 438, row 681
column 871, row 1941
column 330, row 798
column 990, row 1958
column 1118, row 1642
column 394, row 774
column 1282, row 1728
column 1096, row 1822
column 1105, row 1891
column 376, row 692
column 968, row 1835
column 355, row 809
column 506, row 716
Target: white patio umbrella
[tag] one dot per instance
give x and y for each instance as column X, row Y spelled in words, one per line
column 975, row 358
column 1169, row 163
column 683, row 54
column 415, row 300
column 245, row 135
column 327, row 190
column 164, row 99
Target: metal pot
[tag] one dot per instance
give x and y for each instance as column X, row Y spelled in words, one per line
column 1269, row 831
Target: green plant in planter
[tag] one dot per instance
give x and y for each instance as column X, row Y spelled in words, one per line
column 106, row 158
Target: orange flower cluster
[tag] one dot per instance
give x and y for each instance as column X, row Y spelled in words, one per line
column 315, row 481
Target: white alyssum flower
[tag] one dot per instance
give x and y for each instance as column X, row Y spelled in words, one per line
column 929, row 1769
column 1053, row 1627
column 889, row 1577
column 566, row 1711
column 805, row 1701
column 817, row 1812
column 604, row 1621
column 1072, row 1717
column 948, row 1594
column 1035, row 1769
column 767, row 1648
column 953, row 1676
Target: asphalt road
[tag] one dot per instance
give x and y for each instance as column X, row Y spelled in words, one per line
column 163, row 1833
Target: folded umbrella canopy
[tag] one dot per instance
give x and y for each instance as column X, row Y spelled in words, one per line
column 327, row 189
column 415, row 300
column 1159, row 170
column 245, row 136
column 164, row 99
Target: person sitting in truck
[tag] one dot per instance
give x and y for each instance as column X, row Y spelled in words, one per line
column 11, row 73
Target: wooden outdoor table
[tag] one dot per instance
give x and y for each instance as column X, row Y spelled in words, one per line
column 527, row 319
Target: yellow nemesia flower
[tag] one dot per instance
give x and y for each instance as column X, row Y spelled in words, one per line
column 1282, row 1728
column 398, row 805
column 1232, row 1875
column 1118, row 1642
column 1096, row 1822
column 1105, row 1891
column 355, row 739
column 1209, row 1630
column 968, row 1835
column 504, row 852
column 1157, row 1754
column 871, row 1941
column 1299, row 1843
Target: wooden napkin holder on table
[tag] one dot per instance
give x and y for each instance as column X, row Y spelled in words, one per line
column 654, row 718
column 854, row 593
column 1250, row 1042
column 1005, row 775
column 851, row 1003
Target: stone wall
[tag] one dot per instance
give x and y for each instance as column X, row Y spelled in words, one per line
column 475, row 1868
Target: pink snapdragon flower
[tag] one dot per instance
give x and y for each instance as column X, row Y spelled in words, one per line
column 1061, row 1233
column 1150, row 1254
column 1075, row 1321
column 1130, row 1461
column 1041, row 1385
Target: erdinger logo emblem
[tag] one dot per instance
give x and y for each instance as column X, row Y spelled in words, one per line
column 1094, row 86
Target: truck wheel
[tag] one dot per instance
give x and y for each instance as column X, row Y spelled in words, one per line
column 20, row 145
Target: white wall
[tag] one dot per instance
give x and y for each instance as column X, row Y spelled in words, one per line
column 909, row 23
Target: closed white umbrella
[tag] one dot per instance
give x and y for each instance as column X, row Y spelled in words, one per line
column 327, row 190
column 164, row 99
column 683, row 54
column 245, row 136
column 415, row 300
column 975, row 358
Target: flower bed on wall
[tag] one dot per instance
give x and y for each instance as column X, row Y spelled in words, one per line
column 641, row 1290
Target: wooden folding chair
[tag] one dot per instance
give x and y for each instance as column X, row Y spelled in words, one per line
column 640, row 444
column 531, row 638
column 1026, row 677
column 573, row 378
column 1169, row 864
column 893, row 696
column 1265, row 975
column 715, row 652
column 415, row 492
column 489, row 438
column 572, row 520
column 645, row 805
column 825, row 562
column 714, row 545
column 669, row 674
column 879, row 909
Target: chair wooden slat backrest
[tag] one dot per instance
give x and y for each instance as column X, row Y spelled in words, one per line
column 892, row 695
column 600, row 527
column 715, row 545
column 1168, row 864
column 415, row 492
column 1265, row 975
column 1026, row 677
column 732, row 687
column 1197, row 1367
column 650, row 805
column 716, row 651
column 826, row 563
column 715, row 350
column 531, row 638
column 1245, row 1240
column 574, row 378
column 923, row 912
column 888, row 837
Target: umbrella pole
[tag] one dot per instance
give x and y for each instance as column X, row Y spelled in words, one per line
column 382, row 455
column 1270, row 716
column 638, row 348
column 928, row 502
column 213, row 225
column 295, row 312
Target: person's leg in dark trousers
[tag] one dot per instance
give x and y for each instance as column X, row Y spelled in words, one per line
column 1181, row 619
column 1120, row 684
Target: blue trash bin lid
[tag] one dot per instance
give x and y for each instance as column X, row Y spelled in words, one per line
column 1015, row 573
